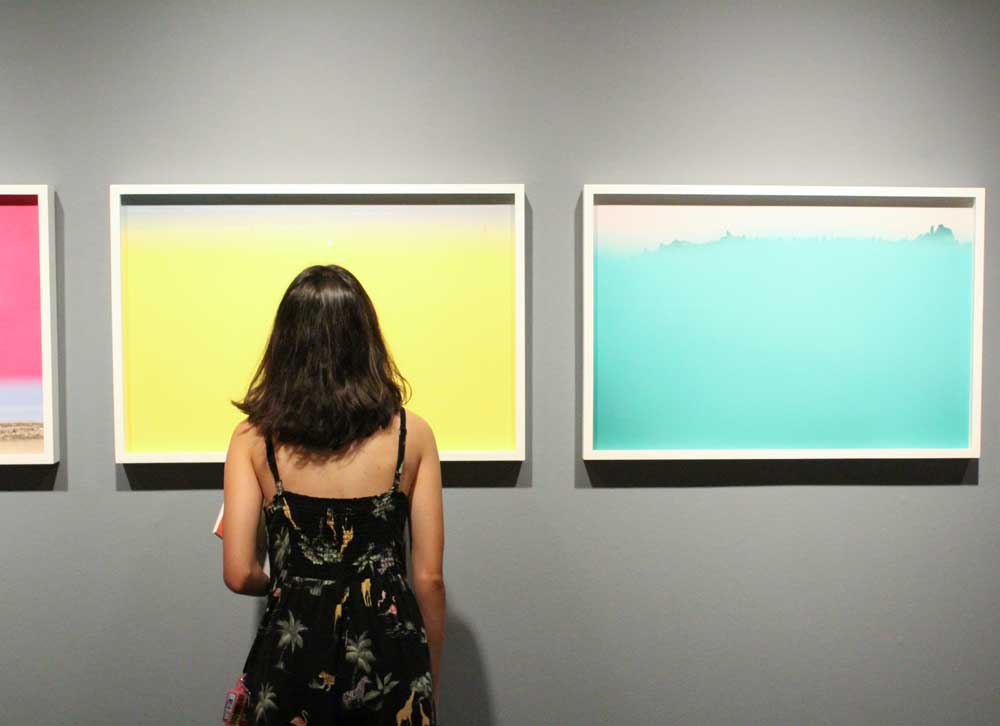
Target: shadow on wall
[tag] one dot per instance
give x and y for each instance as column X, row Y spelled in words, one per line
column 599, row 474
column 654, row 473
column 165, row 477
column 465, row 692
column 30, row 478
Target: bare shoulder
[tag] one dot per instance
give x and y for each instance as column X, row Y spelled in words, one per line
column 419, row 433
column 245, row 437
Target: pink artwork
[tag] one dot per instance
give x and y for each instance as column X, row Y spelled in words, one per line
column 21, row 370
column 20, row 295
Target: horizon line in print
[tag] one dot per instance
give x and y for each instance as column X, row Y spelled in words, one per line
column 628, row 228
column 767, row 328
column 207, row 277
column 22, row 428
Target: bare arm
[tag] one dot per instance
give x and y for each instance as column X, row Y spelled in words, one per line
column 427, row 544
column 243, row 544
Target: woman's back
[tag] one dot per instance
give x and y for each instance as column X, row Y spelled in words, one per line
column 342, row 639
column 345, row 637
column 366, row 468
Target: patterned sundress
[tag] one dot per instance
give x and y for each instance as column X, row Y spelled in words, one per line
column 342, row 640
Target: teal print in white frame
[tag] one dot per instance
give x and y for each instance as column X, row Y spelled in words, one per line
column 731, row 322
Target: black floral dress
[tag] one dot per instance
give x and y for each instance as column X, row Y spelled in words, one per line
column 342, row 640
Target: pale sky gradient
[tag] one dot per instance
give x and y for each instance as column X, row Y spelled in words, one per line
column 636, row 227
column 294, row 215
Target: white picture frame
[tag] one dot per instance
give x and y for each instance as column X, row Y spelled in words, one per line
column 118, row 191
column 594, row 194
column 50, row 453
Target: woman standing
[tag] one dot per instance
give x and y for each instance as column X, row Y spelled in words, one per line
column 336, row 467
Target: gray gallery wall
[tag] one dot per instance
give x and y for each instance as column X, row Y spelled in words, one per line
column 571, row 600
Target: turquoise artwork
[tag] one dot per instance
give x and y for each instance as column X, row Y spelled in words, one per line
column 782, row 327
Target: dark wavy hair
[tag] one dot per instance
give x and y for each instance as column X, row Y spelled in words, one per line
column 326, row 378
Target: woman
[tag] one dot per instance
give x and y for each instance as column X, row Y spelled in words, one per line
column 336, row 467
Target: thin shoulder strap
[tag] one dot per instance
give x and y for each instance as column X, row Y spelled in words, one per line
column 400, row 456
column 273, row 463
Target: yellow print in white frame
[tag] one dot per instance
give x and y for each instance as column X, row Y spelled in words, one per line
column 198, row 273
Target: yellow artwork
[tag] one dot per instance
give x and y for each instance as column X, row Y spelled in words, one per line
column 200, row 283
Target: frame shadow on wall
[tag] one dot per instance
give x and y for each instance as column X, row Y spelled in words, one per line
column 465, row 474
column 154, row 477
column 655, row 473
column 49, row 477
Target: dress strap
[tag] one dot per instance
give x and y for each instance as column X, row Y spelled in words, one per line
column 400, row 456
column 273, row 464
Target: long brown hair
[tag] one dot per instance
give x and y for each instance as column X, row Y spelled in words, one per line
column 326, row 378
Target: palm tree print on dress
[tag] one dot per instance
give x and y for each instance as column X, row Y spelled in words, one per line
column 382, row 507
column 265, row 701
column 281, row 550
column 369, row 559
column 386, row 561
column 382, row 687
column 359, row 653
column 324, row 651
column 291, row 637
column 320, row 551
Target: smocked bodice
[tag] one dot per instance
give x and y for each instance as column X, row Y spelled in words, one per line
column 337, row 538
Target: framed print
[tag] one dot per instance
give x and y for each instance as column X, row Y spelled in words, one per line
column 731, row 322
column 198, row 271
column 28, row 380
